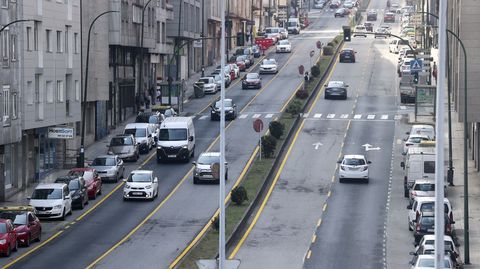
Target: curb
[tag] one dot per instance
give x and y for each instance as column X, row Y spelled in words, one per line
column 241, row 227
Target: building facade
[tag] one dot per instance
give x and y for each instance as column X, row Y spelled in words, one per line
column 10, row 98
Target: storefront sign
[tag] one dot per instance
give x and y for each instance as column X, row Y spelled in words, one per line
column 60, row 133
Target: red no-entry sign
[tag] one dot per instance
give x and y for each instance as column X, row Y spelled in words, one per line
column 258, row 125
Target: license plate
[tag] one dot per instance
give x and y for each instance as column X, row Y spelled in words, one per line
column 172, row 156
column 431, row 230
column 137, row 193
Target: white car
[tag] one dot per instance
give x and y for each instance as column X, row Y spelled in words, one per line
column 51, row 200
column 429, row 240
column 359, row 29
column 209, row 85
column 422, row 188
column 414, row 140
column 140, row 184
column 422, row 204
column 353, row 166
column 284, row 46
column 203, row 167
column 428, row 261
column 422, row 129
column 348, row 4
column 269, row 66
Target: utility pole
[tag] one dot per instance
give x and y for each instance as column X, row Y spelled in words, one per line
column 221, row 199
column 140, row 71
column 203, row 38
column 251, row 24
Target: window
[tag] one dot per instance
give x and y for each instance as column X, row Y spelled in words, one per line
column 14, row 47
column 6, row 102
column 137, row 14
column 35, row 35
column 14, row 105
column 77, row 90
column 29, row 38
column 59, row 41
column 67, row 33
column 4, row 3
column 49, row 87
column 157, row 35
column 429, row 167
column 5, row 44
column 30, row 94
column 59, row 91
column 75, row 42
column 48, row 39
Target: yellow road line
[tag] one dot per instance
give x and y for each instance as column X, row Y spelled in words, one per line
column 208, row 225
column 324, row 207
column 314, row 238
column 309, row 254
column 99, row 202
column 141, row 223
column 329, row 193
column 319, row 222
column 291, row 97
column 267, row 196
column 32, row 250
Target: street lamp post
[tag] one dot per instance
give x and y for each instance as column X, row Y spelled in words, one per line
column 140, row 71
column 81, row 158
column 13, row 22
column 203, row 40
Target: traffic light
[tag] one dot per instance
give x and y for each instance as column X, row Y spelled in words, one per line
column 415, row 78
column 346, row 33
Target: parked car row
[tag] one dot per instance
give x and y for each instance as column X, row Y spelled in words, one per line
column 19, row 226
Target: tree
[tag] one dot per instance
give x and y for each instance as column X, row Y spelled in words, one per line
column 276, row 129
column 269, row 144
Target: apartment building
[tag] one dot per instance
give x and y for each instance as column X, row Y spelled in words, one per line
column 51, row 85
column 10, row 97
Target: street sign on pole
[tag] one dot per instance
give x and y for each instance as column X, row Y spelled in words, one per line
column 258, row 125
column 197, row 43
column 416, row 65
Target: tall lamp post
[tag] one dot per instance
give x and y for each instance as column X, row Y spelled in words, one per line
column 13, row 22
column 140, row 72
column 466, row 229
column 81, row 158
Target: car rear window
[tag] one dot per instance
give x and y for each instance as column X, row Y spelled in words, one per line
column 354, row 162
column 425, row 187
column 429, row 167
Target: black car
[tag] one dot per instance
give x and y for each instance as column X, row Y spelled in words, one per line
column 347, row 55
column 336, row 89
column 372, row 15
column 252, row 80
column 425, row 224
column 78, row 191
column 230, row 110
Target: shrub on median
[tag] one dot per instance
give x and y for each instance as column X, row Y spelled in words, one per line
column 276, row 129
column 294, row 108
column 269, row 144
column 328, row 50
column 315, row 71
column 239, row 195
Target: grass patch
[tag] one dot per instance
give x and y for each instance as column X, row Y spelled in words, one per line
column 207, row 248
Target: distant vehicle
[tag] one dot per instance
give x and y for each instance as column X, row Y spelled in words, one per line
column 419, row 163
column 353, row 167
column 335, row 4
column 125, row 146
column 428, row 261
column 382, row 33
column 230, row 110
column 428, row 241
column 51, row 200
column 283, row 46
column 425, row 224
column 145, row 134
column 283, row 33
column 425, row 204
column 140, row 184
column 93, row 182
column 8, row 237
column 422, row 129
column 347, row 54
column 150, row 117
column 341, row 12
column 372, row 15
column 274, row 33
column 256, row 51
column 414, row 140
column 368, row 26
column 252, row 80
column 336, row 89
column 360, row 31
column 77, row 189
column 422, row 188
column 397, row 44
column 389, row 17
column 348, row 4
column 218, row 81
column 203, row 171
column 319, row 4
column 177, row 139
column 109, row 167
column 293, row 26
column 27, row 225
column 268, row 66
column 209, row 85
column 240, row 61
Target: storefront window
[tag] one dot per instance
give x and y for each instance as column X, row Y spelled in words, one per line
column 8, row 166
column 46, row 153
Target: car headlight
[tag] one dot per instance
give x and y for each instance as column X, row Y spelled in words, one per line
column 148, row 187
column 58, row 207
column 3, row 241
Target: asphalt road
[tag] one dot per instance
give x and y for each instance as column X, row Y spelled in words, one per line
column 182, row 208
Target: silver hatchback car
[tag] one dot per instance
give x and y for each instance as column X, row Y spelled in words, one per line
column 109, row 167
column 203, row 170
column 125, row 146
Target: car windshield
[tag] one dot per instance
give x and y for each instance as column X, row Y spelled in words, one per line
column 74, row 185
column 228, row 103
column 430, row 207
column 18, row 218
column 139, row 177
column 76, row 173
column 137, row 132
column 121, row 141
column 269, row 62
column 240, row 58
column 427, row 221
column 284, row 42
column 3, row 228
column 173, row 134
column 47, row 194
column 417, row 139
column 204, row 80
column 103, row 162
column 252, row 76
column 354, row 161
column 208, row 159
column 430, row 263
column 402, row 42
column 425, row 187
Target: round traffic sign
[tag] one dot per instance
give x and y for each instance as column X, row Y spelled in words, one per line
column 301, row 69
column 319, row 44
column 258, row 125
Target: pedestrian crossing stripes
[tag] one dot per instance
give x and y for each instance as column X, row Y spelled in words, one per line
column 319, row 116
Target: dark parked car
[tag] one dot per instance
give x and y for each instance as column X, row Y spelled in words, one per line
column 336, row 89
column 256, row 51
column 27, row 226
column 372, row 15
column 125, row 146
column 425, row 224
column 252, row 80
column 230, row 110
column 347, row 55
column 93, row 182
column 78, row 191
column 241, row 62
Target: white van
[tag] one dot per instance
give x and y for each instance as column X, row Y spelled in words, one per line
column 144, row 133
column 293, row 26
column 176, row 139
column 419, row 164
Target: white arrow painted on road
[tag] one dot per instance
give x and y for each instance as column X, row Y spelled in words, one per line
column 369, row 147
column 317, row 145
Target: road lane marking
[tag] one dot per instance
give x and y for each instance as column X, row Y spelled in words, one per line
column 324, row 207
column 329, row 193
column 243, row 116
column 330, row 116
column 371, row 117
column 317, row 116
column 305, row 115
column 398, row 117
column 268, row 194
column 384, row 117
column 256, row 116
column 344, row 116
column 203, row 117
column 319, row 222
column 268, row 116
column 99, row 202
